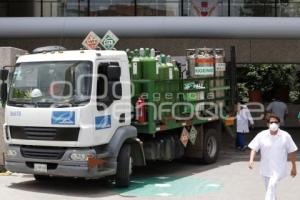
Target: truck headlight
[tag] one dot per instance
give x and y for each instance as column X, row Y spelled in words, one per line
column 79, row 157
column 11, row 153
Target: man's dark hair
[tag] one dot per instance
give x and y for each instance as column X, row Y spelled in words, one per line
column 274, row 117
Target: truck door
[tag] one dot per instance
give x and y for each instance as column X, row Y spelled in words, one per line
column 113, row 106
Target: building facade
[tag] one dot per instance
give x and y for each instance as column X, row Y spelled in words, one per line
column 249, row 50
column 67, row 8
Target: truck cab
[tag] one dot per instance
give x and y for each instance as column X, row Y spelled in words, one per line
column 68, row 113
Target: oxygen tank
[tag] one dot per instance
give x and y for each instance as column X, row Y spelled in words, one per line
column 150, row 68
column 191, row 62
column 163, row 69
column 176, row 89
column 204, row 63
column 176, row 70
column 136, row 71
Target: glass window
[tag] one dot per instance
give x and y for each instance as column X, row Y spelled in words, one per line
column 77, row 8
column 288, row 8
column 31, row 8
column 50, row 8
column 112, row 8
column 256, row 8
column 3, row 10
column 17, row 8
column 159, row 7
column 205, row 8
column 50, row 83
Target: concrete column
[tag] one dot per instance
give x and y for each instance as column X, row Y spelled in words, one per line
column 7, row 58
column 2, row 146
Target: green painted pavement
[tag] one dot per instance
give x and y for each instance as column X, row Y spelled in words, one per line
column 169, row 186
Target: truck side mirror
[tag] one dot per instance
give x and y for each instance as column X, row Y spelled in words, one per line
column 4, row 74
column 117, row 90
column 114, row 90
column 3, row 93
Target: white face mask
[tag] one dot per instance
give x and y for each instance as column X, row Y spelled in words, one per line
column 273, row 127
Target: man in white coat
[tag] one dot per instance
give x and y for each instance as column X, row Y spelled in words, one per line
column 275, row 146
column 243, row 118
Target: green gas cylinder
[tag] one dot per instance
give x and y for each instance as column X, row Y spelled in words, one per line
column 163, row 73
column 163, row 69
column 147, row 52
column 136, row 69
column 170, row 75
column 136, row 53
column 150, row 67
column 176, row 71
column 130, row 55
column 176, row 87
column 163, row 77
column 142, row 52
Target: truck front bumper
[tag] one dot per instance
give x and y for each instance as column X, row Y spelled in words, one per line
column 60, row 167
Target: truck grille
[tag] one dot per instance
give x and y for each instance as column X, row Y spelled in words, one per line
column 49, row 153
column 44, row 133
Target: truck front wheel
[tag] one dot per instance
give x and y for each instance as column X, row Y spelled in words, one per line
column 124, row 166
column 211, row 146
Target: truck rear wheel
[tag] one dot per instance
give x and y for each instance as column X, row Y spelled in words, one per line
column 211, row 146
column 124, row 166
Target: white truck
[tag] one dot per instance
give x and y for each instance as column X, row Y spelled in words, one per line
column 59, row 123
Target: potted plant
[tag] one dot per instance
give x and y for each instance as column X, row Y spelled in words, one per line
column 284, row 79
column 269, row 79
column 256, row 78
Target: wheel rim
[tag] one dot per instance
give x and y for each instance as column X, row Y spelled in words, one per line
column 211, row 146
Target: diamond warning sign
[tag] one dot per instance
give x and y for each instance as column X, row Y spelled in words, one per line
column 91, row 41
column 109, row 40
column 184, row 138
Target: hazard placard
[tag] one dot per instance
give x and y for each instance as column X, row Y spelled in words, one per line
column 193, row 135
column 184, row 138
column 109, row 40
column 91, row 41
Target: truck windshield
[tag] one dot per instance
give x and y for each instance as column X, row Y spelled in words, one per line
column 55, row 84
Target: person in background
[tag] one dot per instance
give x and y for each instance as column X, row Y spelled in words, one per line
column 278, row 108
column 243, row 119
column 275, row 146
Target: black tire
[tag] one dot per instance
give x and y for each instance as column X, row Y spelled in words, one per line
column 123, row 166
column 39, row 177
column 211, row 146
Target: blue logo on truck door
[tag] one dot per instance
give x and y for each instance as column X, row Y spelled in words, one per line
column 103, row 122
column 63, row 118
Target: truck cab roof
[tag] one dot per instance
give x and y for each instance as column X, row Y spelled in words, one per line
column 90, row 55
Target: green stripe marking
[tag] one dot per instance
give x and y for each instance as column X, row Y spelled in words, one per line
column 169, row 187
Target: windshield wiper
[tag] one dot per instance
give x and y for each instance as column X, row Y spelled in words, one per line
column 62, row 105
column 44, row 104
column 65, row 104
column 70, row 103
column 21, row 103
column 79, row 102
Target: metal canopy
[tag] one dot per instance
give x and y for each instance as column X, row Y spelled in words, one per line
column 153, row 27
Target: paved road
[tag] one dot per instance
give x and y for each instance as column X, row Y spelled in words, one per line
column 228, row 179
